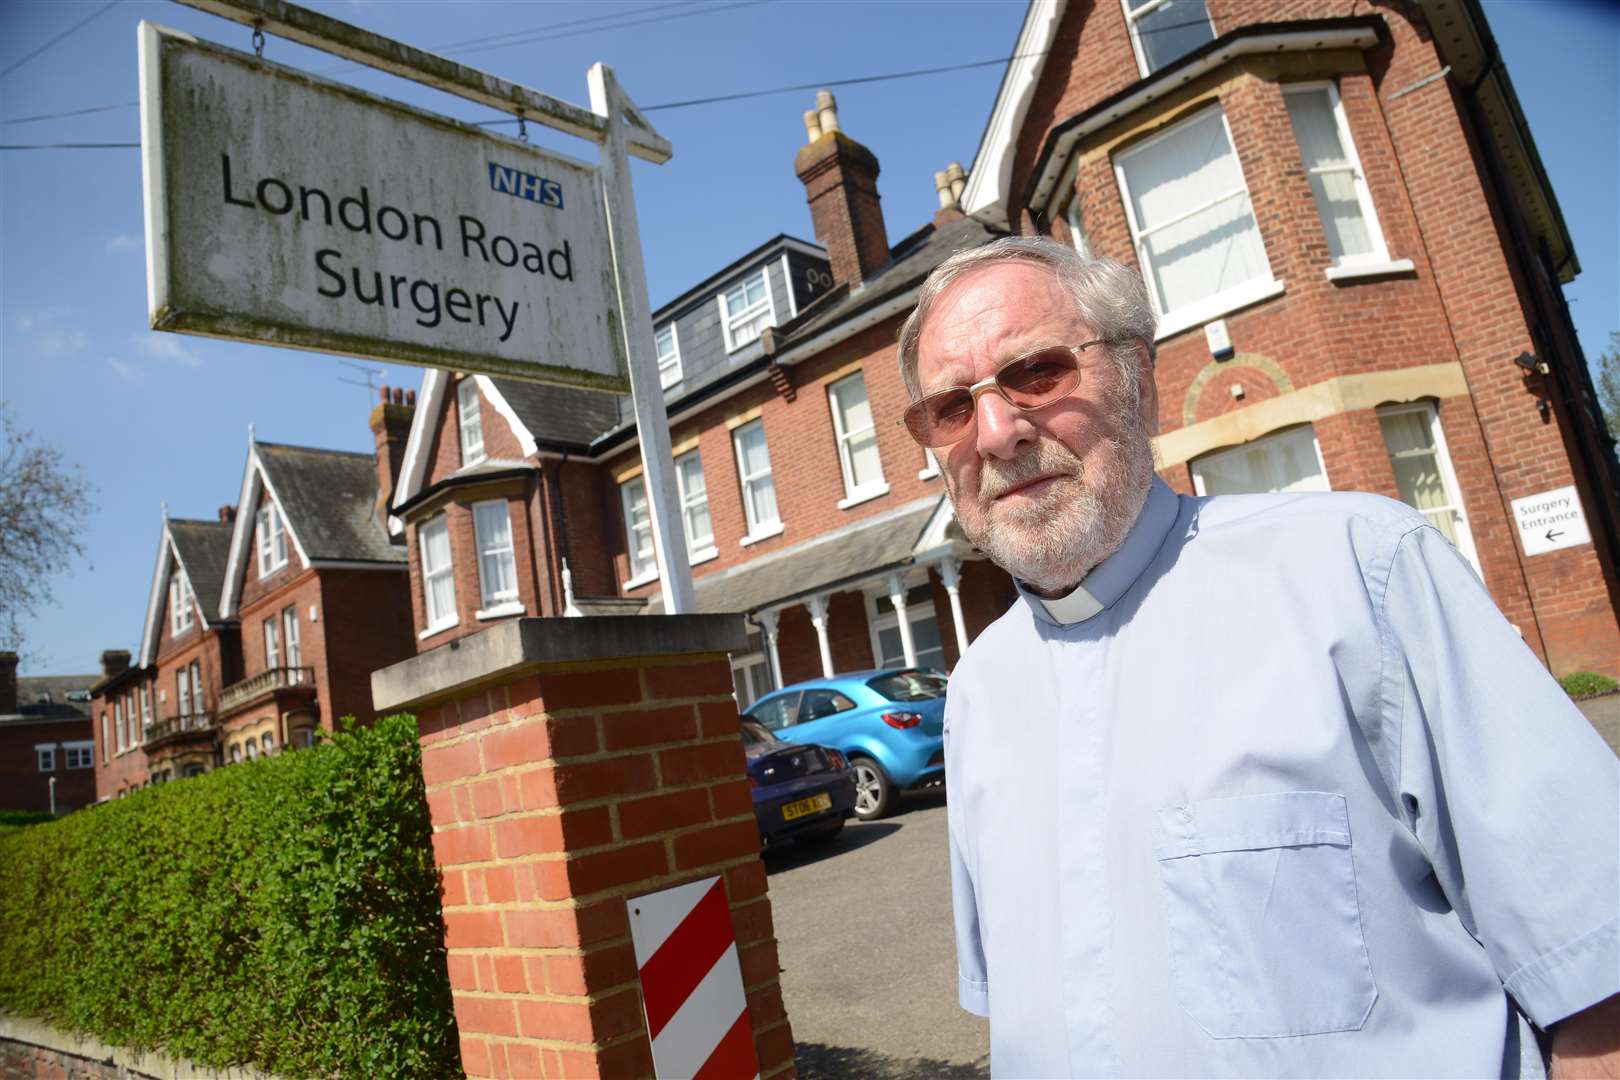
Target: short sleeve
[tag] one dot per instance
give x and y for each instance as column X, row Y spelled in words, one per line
column 1514, row 796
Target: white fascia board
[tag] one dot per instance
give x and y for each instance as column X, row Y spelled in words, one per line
column 1151, row 89
column 933, row 534
column 154, row 604
column 235, row 564
column 414, row 469
column 486, row 386
column 987, row 191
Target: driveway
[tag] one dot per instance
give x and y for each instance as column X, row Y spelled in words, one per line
column 863, row 927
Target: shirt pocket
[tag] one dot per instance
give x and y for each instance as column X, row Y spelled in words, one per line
column 1264, row 923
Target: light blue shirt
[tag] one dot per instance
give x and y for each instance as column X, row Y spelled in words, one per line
column 1288, row 796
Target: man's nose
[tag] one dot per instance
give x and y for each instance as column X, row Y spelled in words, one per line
column 1003, row 429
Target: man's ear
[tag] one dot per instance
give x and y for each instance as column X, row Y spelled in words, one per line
column 1147, row 388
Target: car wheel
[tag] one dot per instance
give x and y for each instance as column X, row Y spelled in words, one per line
column 874, row 792
column 824, row 834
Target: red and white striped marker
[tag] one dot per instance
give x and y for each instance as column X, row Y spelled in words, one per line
column 691, row 983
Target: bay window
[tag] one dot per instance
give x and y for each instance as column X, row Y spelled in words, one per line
column 1337, row 183
column 1287, row 461
column 1423, row 472
column 497, row 568
column 438, row 580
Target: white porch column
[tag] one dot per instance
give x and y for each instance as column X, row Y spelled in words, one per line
column 897, row 597
column 950, row 575
column 767, row 623
column 818, row 619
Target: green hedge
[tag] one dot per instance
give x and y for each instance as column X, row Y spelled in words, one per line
column 281, row 913
column 1583, row 684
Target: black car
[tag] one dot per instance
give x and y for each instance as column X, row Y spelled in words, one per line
column 800, row 791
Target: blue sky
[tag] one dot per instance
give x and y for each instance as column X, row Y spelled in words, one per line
column 161, row 417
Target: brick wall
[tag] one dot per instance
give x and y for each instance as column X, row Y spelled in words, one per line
column 365, row 624
column 23, row 786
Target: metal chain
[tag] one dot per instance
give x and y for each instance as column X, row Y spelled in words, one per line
column 258, row 42
column 523, row 129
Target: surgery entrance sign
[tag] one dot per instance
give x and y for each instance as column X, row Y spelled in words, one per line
column 287, row 209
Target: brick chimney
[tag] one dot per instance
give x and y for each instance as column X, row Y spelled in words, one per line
column 391, row 424
column 8, row 683
column 227, row 514
column 840, row 183
column 114, row 662
column 948, row 185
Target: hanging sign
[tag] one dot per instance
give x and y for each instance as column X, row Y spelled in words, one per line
column 1550, row 520
column 287, row 209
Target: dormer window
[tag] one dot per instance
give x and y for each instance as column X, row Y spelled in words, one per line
column 270, row 536
column 669, row 357
column 745, row 310
column 471, row 422
column 180, row 602
column 1163, row 31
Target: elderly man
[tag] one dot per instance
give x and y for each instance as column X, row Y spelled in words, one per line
column 1241, row 786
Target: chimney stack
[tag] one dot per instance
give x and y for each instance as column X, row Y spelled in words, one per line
column 227, row 514
column 8, row 683
column 949, row 185
column 114, row 662
column 391, row 424
column 840, row 181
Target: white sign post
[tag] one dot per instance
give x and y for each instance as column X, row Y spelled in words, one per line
column 1550, row 520
column 291, row 210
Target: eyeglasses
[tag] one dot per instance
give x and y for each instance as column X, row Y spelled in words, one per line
column 1025, row 382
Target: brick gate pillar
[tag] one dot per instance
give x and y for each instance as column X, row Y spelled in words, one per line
column 571, row 763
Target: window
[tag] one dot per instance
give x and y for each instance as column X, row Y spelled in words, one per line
column 638, row 530
column 46, row 753
column 1337, row 183
column 1192, row 222
column 754, row 470
column 750, row 674
column 778, row 713
column 497, row 569
column 820, row 703
column 106, row 738
column 252, row 749
column 136, row 735
column 192, row 770
column 470, row 421
column 745, row 310
column 180, row 601
column 857, row 439
column 1163, row 31
column 267, row 742
column 272, row 644
column 78, row 755
column 271, row 531
column 118, row 725
column 1287, row 461
column 1423, row 473
column 196, row 687
column 694, row 504
column 290, row 637
column 146, row 706
column 887, row 647
column 182, row 687
column 236, row 753
column 438, row 581
column 669, row 357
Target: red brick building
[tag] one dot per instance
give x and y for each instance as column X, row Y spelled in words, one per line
column 1345, row 228
column 45, row 745
column 262, row 627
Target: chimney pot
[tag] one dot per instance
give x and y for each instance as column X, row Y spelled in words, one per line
column 227, row 513
column 384, row 395
column 827, row 106
column 812, row 125
column 942, row 186
column 114, row 662
column 410, row 398
column 958, row 179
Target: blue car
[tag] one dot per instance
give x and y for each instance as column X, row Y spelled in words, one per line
column 890, row 724
column 800, row 792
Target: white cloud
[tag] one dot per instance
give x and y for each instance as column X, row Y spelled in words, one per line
column 50, row 332
column 125, row 242
column 167, row 347
column 124, row 369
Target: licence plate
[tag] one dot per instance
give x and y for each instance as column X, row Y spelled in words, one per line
column 806, row 806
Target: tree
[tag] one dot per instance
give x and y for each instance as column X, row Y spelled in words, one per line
column 1608, row 383
column 43, row 504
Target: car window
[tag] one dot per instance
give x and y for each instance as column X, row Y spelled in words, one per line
column 910, row 685
column 777, row 713
column 755, row 734
column 820, row 703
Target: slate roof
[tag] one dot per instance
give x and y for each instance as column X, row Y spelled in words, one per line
column 204, row 548
column 330, row 499
column 560, row 417
column 820, row 563
column 31, row 687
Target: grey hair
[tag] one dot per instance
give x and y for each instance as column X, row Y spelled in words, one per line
column 1108, row 297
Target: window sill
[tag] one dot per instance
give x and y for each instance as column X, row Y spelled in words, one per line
column 500, row 611
column 1370, row 270
column 438, row 629
column 929, row 473
column 863, row 495
column 773, row 529
column 645, row 578
column 703, row 555
column 1212, row 308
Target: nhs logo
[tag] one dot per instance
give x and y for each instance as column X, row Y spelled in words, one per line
column 522, row 185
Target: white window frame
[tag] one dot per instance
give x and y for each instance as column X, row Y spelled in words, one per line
column 669, row 364
column 728, row 320
column 1258, row 288
column 505, row 602
column 873, row 488
column 78, row 755
column 181, row 599
column 118, row 725
column 1195, row 466
column 182, row 688
column 1379, row 255
column 146, row 706
column 45, row 756
column 469, row 422
column 880, row 617
column 698, row 548
column 198, row 705
column 1448, row 476
column 1136, row 41
column 272, row 642
column 106, row 738
column 270, row 534
column 437, row 621
column 642, row 570
column 758, row 528
column 292, row 644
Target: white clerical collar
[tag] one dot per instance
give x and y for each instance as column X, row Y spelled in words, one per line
column 1078, row 606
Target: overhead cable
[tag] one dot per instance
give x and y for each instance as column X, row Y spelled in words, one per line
column 70, row 30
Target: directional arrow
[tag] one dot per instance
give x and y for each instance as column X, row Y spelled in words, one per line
column 1554, row 534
